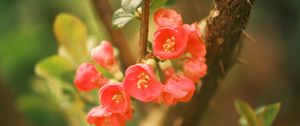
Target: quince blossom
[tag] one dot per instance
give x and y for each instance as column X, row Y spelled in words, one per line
column 169, row 43
column 88, row 78
column 195, row 45
column 195, row 68
column 101, row 116
column 113, row 97
column 141, row 84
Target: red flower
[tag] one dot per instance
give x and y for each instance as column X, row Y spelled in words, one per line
column 195, row 45
column 195, row 68
column 104, row 55
column 128, row 114
column 167, row 18
column 178, row 88
column 88, row 78
column 169, row 43
column 141, row 84
column 101, row 116
column 114, row 97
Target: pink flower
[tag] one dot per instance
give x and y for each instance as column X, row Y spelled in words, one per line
column 195, row 68
column 167, row 18
column 114, row 97
column 195, row 45
column 178, row 88
column 88, row 78
column 103, row 55
column 101, row 116
column 169, row 43
column 141, row 84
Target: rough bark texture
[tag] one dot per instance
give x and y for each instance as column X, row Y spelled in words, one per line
column 227, row 20
column 105, row 12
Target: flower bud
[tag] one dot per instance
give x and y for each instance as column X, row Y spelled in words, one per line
column 103, row 55
column 151, row 62
column 167, row 18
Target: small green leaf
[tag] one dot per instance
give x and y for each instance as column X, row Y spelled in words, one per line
column 71, row 35
column 157, row 3
column 245, row 110
column 55, row 67
column 267, row 114
column 104, row 72
column 121, row 18
column 130, row 5
column 149, row 46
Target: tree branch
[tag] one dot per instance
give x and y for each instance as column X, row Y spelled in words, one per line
column 227, row 20
column 105, row 12
column 144, row 29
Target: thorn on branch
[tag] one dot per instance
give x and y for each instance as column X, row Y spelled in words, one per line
column 248, row 1
column 247, row 36
column 221, row 64
column 243, row 61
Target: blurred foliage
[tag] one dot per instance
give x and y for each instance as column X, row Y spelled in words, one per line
column 59, row 70
column 26, row 36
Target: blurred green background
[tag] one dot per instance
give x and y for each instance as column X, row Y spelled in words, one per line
column 272, row 75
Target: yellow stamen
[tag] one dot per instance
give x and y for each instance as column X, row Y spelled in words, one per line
column 117, row 98
column 143, row 80
column 169, row 45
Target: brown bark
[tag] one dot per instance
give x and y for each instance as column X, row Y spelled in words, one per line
column 105, row 12
column 144, row 29
column 227, row 20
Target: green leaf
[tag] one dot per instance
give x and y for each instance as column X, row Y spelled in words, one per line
column 267, row 114
column 156, row 4
column 58, row 73
column 170, row 2
column 71, row 35
column 245, row 110
column 121, row 18
column 159, row 3
column 104, row 72
column 130, row 5
column 55, row 67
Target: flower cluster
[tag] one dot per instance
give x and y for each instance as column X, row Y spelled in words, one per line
column 169, row 76
column 175, row 40
column 115, row 106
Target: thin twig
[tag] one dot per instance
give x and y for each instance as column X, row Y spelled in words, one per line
column 104, row 11
column 144, row 29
